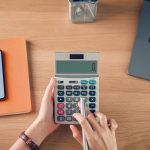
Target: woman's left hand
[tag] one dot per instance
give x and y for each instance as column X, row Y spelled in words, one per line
column 46, row 110
column 44, row 124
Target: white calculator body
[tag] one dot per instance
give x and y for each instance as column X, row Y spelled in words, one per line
column 77, row 76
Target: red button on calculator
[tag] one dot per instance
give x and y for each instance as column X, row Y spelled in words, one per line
column 60, row 105
column 60, row 112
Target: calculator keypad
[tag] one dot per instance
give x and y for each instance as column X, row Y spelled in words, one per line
column 68, row 94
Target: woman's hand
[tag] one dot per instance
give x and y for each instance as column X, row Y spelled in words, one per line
column 99, row 134
column 44, row 124
column 46, row 110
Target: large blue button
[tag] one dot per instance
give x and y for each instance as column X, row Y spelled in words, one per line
column 76, row 93
column 92, row 82
column 84, row 93
column 60, row 93
column 60, row 99
column 92, row 105
column 84, row 82
column 69, row 93
column 92, row 93
column 92, row 99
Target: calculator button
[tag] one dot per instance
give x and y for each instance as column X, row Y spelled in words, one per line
column 84, row 82
column 92, row 82
column 76, row 110
column 60, row 87
column 92, row 111
column 69, row 99
column 76, row 87
column 85, row 99
column 74, row 82
column 69, row 112
column 75, row 105
column 92, row 105
column 60, row 82
column 92, row 93
column 83, row 87
column 76, row 93
column 60, row 105
column 60, row 99
column 84, row 93
column 92, row 87
column 68, row 118
column 69, row 105
column 60, row 112
column 92, row 99
column 60, row 93
column 76, row 99
column 68, row 87
column 69, row 93
column 60, row 118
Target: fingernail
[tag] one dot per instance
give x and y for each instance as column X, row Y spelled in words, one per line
column 70, row 126
column 52, row 79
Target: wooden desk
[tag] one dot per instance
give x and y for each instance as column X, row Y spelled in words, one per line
column 45, row 24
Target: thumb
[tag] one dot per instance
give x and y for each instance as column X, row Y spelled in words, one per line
column 49, row 90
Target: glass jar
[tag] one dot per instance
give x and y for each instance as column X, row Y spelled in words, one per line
column 82, row 11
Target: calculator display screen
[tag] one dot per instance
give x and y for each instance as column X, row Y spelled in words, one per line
column 76, row 67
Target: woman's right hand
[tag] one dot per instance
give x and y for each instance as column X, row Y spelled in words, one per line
column 100, row 135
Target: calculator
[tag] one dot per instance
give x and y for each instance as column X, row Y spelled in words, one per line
column 77, row 77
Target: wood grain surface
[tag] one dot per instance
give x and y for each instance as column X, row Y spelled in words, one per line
column 46, row 27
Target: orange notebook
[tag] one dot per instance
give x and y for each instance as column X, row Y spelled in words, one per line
column 18, row 98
